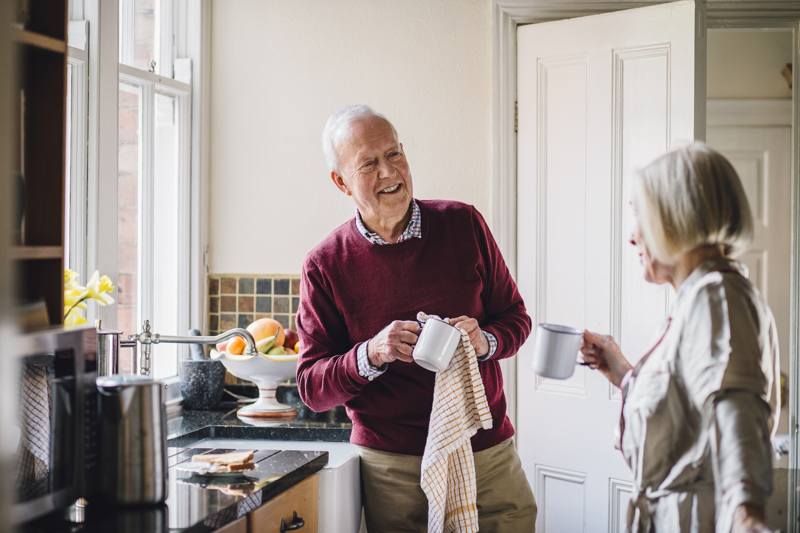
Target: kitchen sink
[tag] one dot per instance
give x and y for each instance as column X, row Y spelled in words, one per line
column 339, row 481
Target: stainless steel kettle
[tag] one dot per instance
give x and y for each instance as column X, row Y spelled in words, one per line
column 133, row 440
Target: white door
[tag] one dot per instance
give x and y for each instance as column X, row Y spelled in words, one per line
column 598, row 96
column 756, row 136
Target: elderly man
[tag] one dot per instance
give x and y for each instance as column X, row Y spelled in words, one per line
column 361, row 290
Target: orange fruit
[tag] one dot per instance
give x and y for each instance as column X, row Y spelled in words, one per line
column 297, row 347
column 236, row 346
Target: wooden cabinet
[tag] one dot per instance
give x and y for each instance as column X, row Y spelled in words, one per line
column 39, row 134
column 240, row 526
column 288, row 510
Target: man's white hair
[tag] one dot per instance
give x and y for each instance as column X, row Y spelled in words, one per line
column 337, row 128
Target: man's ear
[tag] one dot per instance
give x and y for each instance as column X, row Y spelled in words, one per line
column 338, row 180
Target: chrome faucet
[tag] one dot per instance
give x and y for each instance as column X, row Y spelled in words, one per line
column 142, row 360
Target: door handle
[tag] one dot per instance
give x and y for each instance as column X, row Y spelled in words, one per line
column 296, row 523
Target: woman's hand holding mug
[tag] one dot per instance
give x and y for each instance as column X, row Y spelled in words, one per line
column 601, row 352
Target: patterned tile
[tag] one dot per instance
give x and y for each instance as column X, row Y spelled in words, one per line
column 235, row 300
column 246, row 304
column 280, row 304
column 263, row 304
column 227, row 304
column 227, row 321
column 228, row 286
column 264, row 286
column 282, row 286
column 283, row 319
column 245, row 320
column 246, row 285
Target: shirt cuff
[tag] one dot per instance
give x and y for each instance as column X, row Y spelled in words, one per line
column 365, row 368
column 492, row 340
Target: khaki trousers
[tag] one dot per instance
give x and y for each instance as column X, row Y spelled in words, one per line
column 394, row 501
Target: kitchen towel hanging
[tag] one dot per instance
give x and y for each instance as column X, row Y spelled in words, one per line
column 447, row 476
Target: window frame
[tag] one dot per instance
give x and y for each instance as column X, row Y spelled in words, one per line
column 150, row 84
column 78, row 192
column 186, row 32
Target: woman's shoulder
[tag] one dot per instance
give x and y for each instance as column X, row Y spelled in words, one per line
column 725, row 336
column 727, row 291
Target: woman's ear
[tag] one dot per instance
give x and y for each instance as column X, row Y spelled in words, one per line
column 340, row 183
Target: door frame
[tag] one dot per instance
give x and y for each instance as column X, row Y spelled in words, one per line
column 743, row 14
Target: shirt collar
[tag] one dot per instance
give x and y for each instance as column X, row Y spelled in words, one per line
column 717, row 264
column 413, row 228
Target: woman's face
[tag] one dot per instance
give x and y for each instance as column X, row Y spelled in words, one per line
column 654, row 271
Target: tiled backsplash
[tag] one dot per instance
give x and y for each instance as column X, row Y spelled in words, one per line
column 236, row 300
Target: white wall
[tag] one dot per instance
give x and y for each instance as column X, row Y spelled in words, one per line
column 280, row 67
column 747, row 64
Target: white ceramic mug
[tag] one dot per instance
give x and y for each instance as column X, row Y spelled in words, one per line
column 436, row 345
column 556, row 351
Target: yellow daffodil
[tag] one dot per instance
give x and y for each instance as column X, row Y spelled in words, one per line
column 97, row 289
column 74, row 319
column 70, row 279
column 75, row 296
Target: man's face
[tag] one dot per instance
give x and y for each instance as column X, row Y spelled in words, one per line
column 374, row 171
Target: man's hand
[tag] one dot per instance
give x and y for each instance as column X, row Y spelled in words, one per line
column 473, row 329
column 395, row 342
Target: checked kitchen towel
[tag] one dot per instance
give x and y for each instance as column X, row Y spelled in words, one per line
column 459, row 410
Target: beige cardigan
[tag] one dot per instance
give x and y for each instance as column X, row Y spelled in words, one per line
column 700, row 408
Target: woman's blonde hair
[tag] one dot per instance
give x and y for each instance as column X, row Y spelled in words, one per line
column 690, row 197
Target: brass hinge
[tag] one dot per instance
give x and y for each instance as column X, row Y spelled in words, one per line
column 516, row 116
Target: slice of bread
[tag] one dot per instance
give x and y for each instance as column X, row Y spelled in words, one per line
column 240, row 466
column 230, row 458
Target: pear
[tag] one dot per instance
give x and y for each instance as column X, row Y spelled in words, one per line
column 266, row 344
column 276, row 350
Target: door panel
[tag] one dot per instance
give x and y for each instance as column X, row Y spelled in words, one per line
column 598, row 96
column 761, row 155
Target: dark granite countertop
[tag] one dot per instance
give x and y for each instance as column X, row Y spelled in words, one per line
column 191, row 426
column 198, row 503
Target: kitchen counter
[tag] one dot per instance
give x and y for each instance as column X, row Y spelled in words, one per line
column 201, row 504
column 191, row 426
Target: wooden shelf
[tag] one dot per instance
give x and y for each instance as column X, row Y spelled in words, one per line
column 39, row 146
column 37, row 252
column 39, row 41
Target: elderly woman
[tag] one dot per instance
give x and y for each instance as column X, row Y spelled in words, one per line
column 701, row 404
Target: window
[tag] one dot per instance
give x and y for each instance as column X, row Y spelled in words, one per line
column 153, row 193
column 76, row 169
column 136, row 225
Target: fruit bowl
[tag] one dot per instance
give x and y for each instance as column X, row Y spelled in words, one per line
column 266, row 371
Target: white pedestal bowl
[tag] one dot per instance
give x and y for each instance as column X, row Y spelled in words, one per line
column 266, row 371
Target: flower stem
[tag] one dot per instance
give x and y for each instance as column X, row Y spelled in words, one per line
column 76, row 304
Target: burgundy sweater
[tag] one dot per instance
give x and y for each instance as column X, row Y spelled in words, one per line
column 351, row 289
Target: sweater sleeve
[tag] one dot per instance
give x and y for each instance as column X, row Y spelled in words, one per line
column 327, row 370
column 506, row 316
